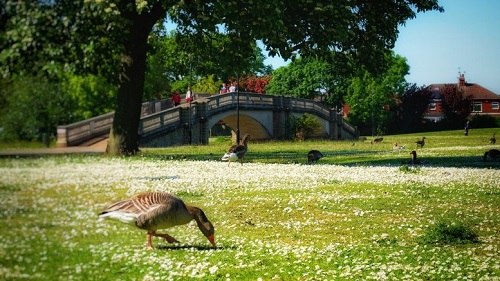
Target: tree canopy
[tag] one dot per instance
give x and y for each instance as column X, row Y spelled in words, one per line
column 88, row 33
column 171, row 67
column 303, row 78
column 369, row 96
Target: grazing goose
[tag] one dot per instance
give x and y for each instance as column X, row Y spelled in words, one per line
column 420, row 143
column 314, row 156
column 494, row 154
column 237, row 151
column 379, row 139
column 493, row 140
column 158, row 210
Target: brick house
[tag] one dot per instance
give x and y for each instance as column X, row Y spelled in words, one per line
column 484, row 101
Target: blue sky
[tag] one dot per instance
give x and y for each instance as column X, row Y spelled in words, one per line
column 465, row 38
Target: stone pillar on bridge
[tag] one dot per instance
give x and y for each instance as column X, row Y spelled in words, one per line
column 281, row 114
column 334, row 126
column 201, row 124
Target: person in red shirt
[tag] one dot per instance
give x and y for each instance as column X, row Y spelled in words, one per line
column 176, row 98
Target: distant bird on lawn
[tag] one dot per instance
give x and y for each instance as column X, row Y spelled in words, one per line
column 494, row 154
column 397, row 147
column 314, row 156
column 493, row 140
column 379, row 139
column 237, row 151
column 420, row 143
column 158, row 210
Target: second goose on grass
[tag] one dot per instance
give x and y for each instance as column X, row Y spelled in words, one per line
column 237, row 151
column 494, row 154
column 313, row 156
column 420, row 143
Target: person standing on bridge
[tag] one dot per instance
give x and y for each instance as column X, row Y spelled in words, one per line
column 223, row 89
column 189, row 95
column 232, row 88
column 176, row 98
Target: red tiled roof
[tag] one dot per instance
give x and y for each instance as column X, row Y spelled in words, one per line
column 477, row 91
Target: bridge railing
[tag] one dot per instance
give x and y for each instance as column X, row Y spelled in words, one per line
column 310, row 106
column 80, row 132
column 163, row 120
column 349, row 128
column 217, row 103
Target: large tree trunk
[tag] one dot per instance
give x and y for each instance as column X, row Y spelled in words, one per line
column 123, row 137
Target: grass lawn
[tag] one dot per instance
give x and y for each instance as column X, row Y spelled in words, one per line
column 358, row 214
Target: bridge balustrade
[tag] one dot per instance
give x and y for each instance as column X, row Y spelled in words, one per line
column 80, row 132
column 217, row 103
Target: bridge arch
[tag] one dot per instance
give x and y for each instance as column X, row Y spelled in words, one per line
column 257, row 124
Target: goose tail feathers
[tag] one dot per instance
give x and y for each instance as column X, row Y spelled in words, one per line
column 125, row 217
column 229, row 156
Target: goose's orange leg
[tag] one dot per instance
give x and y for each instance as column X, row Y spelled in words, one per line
column 167, row 237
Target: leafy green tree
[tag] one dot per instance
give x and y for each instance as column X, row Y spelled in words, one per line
column 306, row 125
column 169, row 62
column 35, row 107
column 302, row 78
column 207, row 85
column 91, row 95
column 370, row 97
column 52, row 37
column 303, row 126
column 305, row 28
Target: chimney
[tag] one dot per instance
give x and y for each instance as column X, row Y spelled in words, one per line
column 461, row 80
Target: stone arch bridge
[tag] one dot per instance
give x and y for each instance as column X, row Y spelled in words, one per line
column 264, row 117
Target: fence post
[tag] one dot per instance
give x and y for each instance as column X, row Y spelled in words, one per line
column 62, row 137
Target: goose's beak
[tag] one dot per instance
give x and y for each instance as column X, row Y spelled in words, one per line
column 211, row 238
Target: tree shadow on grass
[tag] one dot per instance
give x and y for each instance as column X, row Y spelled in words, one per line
column 346, row 158
column 431, row 161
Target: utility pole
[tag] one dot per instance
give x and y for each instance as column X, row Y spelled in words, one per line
column 238, row 108
column 373, row 114
column 191, row 98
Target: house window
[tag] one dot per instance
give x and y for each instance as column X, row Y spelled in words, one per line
column 494, row 105
column 432, row 106
column 478, row 107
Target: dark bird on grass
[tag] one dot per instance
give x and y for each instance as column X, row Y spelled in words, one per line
column 379, row 139
column 158, row 210
column 494, row 154
column 414, row 160
column 237, row 151
column 314, row 156
column 493, row 140
column 420, row 143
